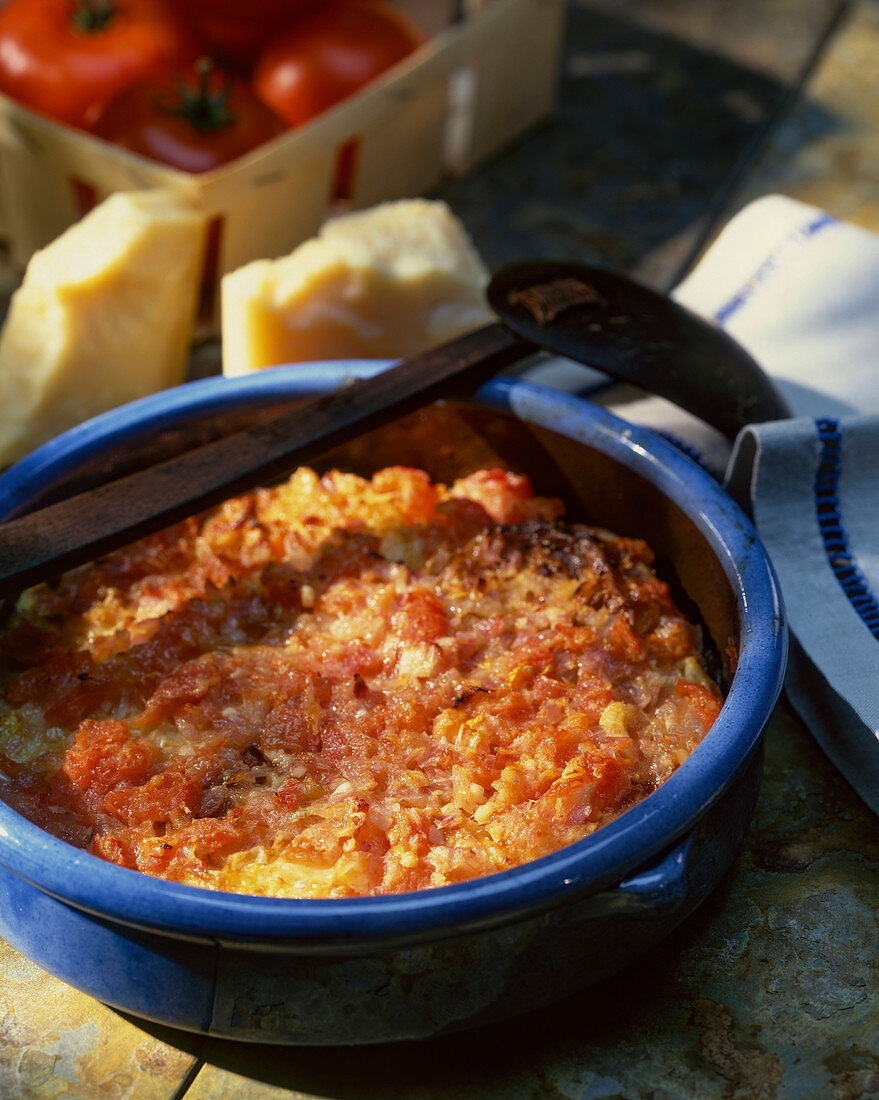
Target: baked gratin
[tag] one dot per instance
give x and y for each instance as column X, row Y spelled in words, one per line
column 339, row 687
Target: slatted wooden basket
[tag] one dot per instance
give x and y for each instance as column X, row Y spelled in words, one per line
column 486, row 75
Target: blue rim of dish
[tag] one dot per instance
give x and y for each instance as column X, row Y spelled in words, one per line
column 596, row 862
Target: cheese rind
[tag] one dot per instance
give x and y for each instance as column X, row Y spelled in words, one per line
column 381, row 283
column 104, row 315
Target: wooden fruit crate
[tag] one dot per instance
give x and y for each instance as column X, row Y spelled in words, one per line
column 486, row 75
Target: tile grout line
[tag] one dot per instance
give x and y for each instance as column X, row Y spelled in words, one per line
column 751, row 153
column 198, row 1064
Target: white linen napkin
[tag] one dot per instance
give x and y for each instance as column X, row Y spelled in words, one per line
column 800, row 290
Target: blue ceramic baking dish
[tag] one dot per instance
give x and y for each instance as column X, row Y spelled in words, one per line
column 420, row 964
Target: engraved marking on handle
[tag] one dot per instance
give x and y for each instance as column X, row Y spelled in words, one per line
column 546, row 301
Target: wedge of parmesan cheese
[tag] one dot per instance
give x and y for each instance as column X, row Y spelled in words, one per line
column 380, row 283
column 104, row 314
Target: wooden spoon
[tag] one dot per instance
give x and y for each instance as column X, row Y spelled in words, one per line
column 46, row 542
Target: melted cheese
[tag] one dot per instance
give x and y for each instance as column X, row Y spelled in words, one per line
column 381, row 283
column 349, row 687
column 104, row 315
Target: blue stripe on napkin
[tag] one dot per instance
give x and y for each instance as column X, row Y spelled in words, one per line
column 829, row 515
column 770, row 265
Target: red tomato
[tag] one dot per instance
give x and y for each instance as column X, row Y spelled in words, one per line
column 66, row 58
column 193, row 124
column 236, row 32
column 235, row 44
column 244, row 10
column 328, row 53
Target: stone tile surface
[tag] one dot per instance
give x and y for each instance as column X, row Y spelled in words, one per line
column 661, row 107
column 825, row 148
column 59, row 1044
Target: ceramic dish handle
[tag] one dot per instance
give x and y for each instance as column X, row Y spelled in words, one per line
column 664, row 882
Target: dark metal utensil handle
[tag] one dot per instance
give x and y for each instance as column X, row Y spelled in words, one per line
column 635, row 335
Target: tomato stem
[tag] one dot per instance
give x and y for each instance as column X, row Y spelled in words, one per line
column 204, row 110
column 92, row 16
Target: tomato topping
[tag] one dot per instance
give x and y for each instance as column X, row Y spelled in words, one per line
column 101, row 758
column 421, row 617
column 164, row 797
column 705, row 702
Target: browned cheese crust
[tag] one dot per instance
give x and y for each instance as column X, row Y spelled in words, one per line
column 346, row 686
